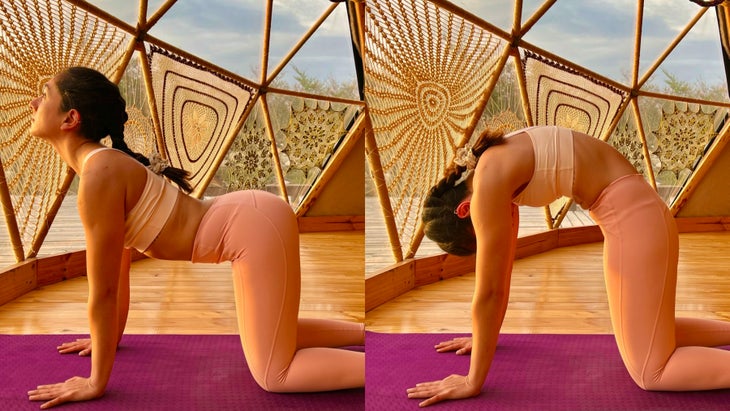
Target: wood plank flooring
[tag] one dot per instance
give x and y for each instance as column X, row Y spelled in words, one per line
column 183, row 298
column 65, row 235
column 562, row 291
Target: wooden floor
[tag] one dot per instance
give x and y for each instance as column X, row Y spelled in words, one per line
column 562, row 291
column 184, row 298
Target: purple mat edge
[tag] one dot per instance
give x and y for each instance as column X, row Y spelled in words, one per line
column 625, row 395
column 39, row 351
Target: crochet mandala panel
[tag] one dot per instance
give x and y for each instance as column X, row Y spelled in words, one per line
column 139, row 132
column 197, row 109
column 307, row 133
column 678, row 136
column 39, row 38
column 249, row 163
column 563, row 97
column 626, row 140
column 683, row 134
column 426, row 70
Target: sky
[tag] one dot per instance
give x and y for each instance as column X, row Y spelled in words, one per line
column 598, row 35
column 228, row 33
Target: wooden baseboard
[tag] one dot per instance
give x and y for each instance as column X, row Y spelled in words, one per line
column 385, row 285
column 28, row 275
column 17, row 280
column 702, row 224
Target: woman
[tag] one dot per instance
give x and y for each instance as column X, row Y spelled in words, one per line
column 474, row 209
column 123, row 204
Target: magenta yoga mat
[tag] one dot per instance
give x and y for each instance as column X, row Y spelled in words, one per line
column 155, row 372
column 529, row 372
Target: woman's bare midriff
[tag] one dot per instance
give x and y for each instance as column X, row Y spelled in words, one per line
column 175, row 241
column 597, row 164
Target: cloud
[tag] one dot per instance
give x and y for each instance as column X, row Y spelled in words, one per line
column 598, row 35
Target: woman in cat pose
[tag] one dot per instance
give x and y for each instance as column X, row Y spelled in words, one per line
column 474, row 209
column 127, row 201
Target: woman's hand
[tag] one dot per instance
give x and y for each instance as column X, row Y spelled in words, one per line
column 73, row 389
column 450, row 388
column 461, row 345
column 81, row 346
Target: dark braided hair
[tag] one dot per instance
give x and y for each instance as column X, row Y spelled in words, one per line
column 454, row 235
column 103, row 113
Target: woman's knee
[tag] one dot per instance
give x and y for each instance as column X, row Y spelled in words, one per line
column 649, row 381
column 275, row 384
column 641, row 383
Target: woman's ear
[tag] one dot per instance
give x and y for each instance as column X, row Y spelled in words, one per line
column 72, row 120
column 462, row 210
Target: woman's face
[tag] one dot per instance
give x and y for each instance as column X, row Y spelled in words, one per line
column 47, row 114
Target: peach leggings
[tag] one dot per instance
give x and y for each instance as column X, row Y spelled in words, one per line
column 257, row 231
column 641, row 249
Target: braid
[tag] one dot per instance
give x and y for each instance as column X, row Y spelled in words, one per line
column 176, row 175
column 119, row 143
column 179, row 177
column 453, row 234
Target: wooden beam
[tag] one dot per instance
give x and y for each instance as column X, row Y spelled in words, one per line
column 381, row 187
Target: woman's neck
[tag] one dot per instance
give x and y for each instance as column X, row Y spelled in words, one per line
column 73, row 149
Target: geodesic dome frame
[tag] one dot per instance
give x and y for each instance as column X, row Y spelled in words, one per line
column 228, row 130
column 437, row 74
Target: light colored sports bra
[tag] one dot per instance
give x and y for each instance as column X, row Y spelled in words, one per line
column 146, row 219
column 554, row 166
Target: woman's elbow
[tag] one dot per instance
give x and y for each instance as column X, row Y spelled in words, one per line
column 487, row 297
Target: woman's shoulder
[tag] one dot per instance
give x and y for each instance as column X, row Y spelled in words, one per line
column 508, row 165
column 512, row 147
column 111, row 168
column 108, row 159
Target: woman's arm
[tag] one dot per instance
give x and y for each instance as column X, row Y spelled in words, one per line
column 101, row 203
column 123, row 293
column 83, row 345
column 462, row 345
column 493, row 216
column 495, row 254
column 102, row 210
